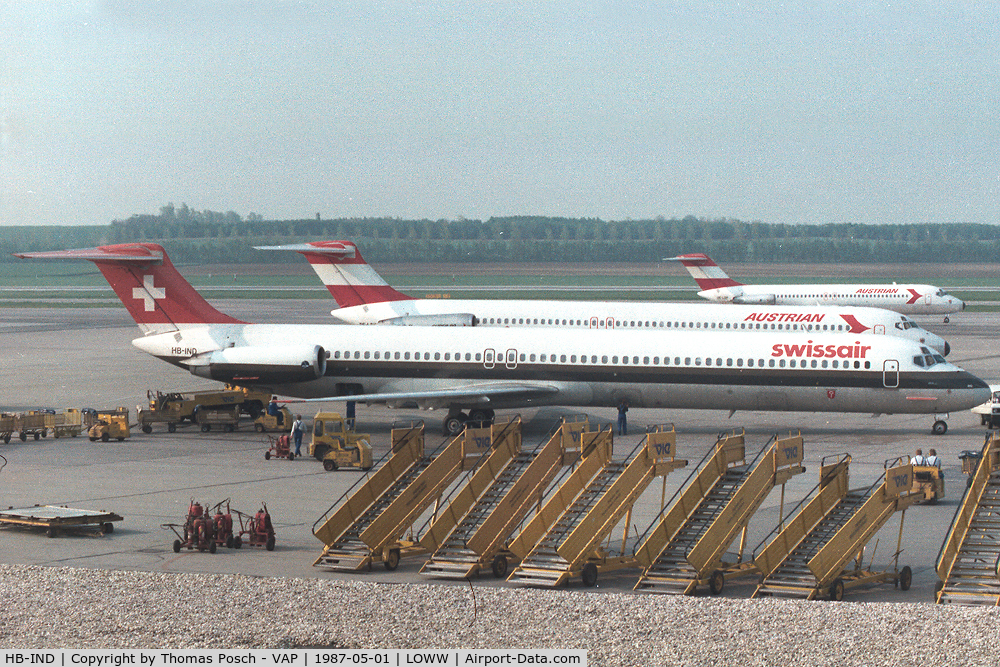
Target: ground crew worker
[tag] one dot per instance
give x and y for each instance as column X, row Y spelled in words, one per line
column 918, row 459
column 933, row 459
column 275, row 411
column 622, row 419
column 297, row 430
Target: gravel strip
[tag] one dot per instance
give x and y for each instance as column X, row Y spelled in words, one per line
column 76, row 608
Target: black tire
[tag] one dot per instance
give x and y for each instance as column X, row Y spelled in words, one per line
column 24, row 437
column 291, row 456
column 454, row 424
column 107, row 528
column 716, row 582
column 105, row 436
column 147, row 429
column 258, row 427
column 171, row 427
column 36, row 436
column 392, row 561
column 177, row 546
column 499, row 566
column 940, row 427
column 267, row 455
column 212, row 547
column 237, row 542
column 205, row 428
column 837, row 590
column 6, row 439
column 270, row 543
column 589, row 575
column 905, row 578
column 52, row 531
column 229, row 428
column 329, row 465
column 229, row 541
column 121, row 439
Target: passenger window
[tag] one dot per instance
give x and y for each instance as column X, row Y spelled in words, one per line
column 687, row 361
column 427, row 356
column 708, row 362
column 781, row 363
column 367, row 354
column 645, row 360
column 562, row 358
column 825, row 363
column 739, row 363
column 656, row 361
column 532, row 357
column 437, row 356
column 479, row 356
column 447, row 356
column 593, row 359
column 771, row 363
column 614, row 360
column 522, row 357
column 604, row 359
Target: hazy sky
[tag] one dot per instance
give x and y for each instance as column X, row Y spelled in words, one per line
column 805, row 112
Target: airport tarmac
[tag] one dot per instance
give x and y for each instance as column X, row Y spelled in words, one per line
column 83, row 357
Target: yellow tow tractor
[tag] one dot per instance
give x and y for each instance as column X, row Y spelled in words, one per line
column 928, row 481
column 265, row 422
column 338, row 446
column 110, row 424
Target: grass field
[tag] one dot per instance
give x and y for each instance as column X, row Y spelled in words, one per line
column 25, row 283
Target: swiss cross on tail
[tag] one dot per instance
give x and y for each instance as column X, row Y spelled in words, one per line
column 155, row 294
column 149, row 293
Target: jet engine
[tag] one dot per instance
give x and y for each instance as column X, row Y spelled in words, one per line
column 277, row 365
column 755, row 299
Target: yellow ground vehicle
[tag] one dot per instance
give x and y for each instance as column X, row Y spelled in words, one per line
column 66, row 423
column 266, row 422
column 928, row 481
column 176, row 407
column 110, row 424
column 336, row 445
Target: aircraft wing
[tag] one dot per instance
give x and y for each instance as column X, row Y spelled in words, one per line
column 479, row 394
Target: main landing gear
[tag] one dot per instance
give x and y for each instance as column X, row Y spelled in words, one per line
column 457, row 420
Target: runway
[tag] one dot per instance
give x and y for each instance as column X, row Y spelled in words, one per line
column 83, row 357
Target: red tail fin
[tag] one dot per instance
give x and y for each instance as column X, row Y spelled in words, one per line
column 157, row 297
column 350, row 279
column 705, row 272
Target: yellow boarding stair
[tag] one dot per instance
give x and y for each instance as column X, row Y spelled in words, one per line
column 571, row 546
column 472, row 530
column 707, row 516
column 970, row 555
column 809, row 556
column 374, row 514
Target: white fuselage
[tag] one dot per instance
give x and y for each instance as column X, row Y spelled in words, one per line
column 649, row 315
column 781, row 370
column 906, row 299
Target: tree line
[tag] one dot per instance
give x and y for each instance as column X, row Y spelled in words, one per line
column 208, row 237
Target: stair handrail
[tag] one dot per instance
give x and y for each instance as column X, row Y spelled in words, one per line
column 560, row 478
column 961, row 505
column 363, row 479
column 712, row 451
column 844, row 458
column 455, row 488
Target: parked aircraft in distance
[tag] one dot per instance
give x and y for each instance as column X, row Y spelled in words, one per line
column 365, row 297
column 909, row 299
column 481, row 369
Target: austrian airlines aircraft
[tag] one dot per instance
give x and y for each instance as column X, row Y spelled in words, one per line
column 908, row 299
column 365, row 298
column 482, row 369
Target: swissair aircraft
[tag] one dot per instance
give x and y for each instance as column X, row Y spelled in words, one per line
column 907, row 298
column 482, row 369
column 365, row 297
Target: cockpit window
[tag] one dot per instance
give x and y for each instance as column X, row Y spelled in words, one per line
column 918, row 361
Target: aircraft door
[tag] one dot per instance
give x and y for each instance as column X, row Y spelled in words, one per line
column 511, row 358
column 879, row 329
column 489, row 358
column 890, row 374
column 928, row 299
